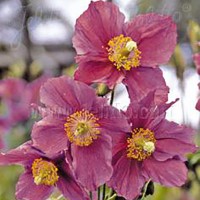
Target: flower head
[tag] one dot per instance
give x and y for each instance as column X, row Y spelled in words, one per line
column 111, row 50
column 78, row 121
column 42, row 174
column 154, row 149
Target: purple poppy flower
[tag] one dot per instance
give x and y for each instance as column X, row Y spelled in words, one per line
column 111, row 50
column 154, row 149
column 42, row 174
column 75, row 119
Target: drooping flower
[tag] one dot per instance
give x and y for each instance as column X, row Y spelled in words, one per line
column 78, row 121
column 42, row 174
column 155, row 149
column 111, row 50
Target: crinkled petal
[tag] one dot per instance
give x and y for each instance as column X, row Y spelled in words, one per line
column 112, row 122
column 156, row 37
column 168, row 173
column 140, row 112
column 142, row 80
column 127, row 179
column 174, row 147
column 27, row 189
column 112, row 119
column 158, row 114
column 63, row 94
column 145, row 113
column 96, row 26
column 92, row 164
column 172, row 130
column 23, row 155
column 162, row 156
column 98, row 72
column 49, row 135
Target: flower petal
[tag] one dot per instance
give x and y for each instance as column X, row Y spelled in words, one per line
column 92, row 164
column 112, row 119
column 23, row 155
column 49, row 135
column 64, row 93
column 142, row 80
column 174, row 148
column 139, row 112
column 168, row 173
column 96, row 26
column 27, row 189
column 155, row 35
column 161, row 156
column 69, row 187
column 98, row 72
column 171, row 130
column 127, row 179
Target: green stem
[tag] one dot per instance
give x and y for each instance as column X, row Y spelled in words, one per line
column 90, row 195
column 112, row 96
column 104, row 191
column 99, row 193
column 113, row 197
column 145, row 189
column 109, row 193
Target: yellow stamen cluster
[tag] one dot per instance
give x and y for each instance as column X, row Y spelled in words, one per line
column 123, row 52
column 141, row 145
column 82, row 128
column 44, row 172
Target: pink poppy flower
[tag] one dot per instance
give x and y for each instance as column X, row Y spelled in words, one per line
column 78, row 121
column 17, row 96
column 10, row 93
column 42, row 174
column 196, row 58
column 154, row 149
column 111, row 50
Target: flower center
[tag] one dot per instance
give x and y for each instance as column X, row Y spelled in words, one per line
column 141, row 145
column 44, row 172
column 123, row 52
column 82, row 128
